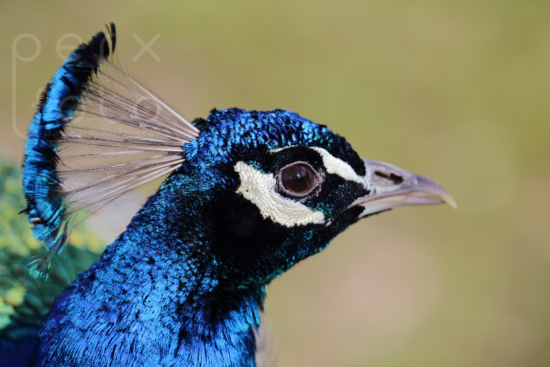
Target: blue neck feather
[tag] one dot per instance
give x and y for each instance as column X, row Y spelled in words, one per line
column 153, row 298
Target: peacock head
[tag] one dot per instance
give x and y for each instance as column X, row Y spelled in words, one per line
column 275, row 188
column 255, row 191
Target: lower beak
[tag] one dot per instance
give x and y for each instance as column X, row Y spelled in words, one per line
column 391, row 187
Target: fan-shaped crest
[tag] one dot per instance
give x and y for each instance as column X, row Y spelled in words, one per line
column 97, row 134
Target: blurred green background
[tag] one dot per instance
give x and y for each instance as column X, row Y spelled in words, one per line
column 456, row 90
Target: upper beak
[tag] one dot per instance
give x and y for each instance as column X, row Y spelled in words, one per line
column 392, row 187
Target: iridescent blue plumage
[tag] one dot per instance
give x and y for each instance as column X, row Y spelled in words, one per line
column 164, row 293
column 46, row 209
column 250, row 194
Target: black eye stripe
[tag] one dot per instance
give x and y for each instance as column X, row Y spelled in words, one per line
column 280, row 160
column 288, row 156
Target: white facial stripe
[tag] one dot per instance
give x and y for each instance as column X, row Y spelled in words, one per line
column 339, row 167
column 259, row 188
column 380, row 205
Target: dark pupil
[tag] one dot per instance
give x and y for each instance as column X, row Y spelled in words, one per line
column 298, row 178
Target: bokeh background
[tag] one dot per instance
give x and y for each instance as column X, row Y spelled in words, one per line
column 457, row 90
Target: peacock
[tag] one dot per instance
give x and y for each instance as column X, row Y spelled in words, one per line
column 248, row 194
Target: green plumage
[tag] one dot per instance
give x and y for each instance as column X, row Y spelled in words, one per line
column 23, row 299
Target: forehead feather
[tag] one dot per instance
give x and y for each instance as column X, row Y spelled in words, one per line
column 231, row 131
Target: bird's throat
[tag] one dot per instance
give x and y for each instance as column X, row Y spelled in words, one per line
column 155, row 298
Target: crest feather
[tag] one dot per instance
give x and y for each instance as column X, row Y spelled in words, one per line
column 97, row 134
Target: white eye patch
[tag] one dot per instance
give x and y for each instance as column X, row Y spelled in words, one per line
column 338, row 167
column 259, row 188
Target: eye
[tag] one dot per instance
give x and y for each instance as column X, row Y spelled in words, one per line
column 298, row 178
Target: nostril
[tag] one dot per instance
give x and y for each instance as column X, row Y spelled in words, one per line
column 396, row 179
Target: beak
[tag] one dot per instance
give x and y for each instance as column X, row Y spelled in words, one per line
column 392, row 187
